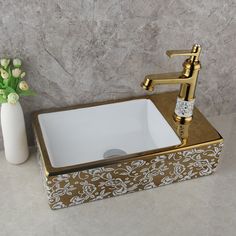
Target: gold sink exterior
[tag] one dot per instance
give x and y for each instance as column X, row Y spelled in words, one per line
column 197, row 156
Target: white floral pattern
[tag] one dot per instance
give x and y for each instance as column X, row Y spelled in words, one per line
column 131, row 176
column 184, row 108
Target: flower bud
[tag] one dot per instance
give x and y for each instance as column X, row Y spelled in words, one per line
column 12, row 98
column 4, row 74
column 16, row 62
column 16, row 72
column 23, row 85
column 22, row 75
column 4, row 62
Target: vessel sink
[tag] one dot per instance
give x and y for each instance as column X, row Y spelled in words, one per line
column 94, row 133
column 101, row 150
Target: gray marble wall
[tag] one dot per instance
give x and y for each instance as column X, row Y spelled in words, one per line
column 81, row 51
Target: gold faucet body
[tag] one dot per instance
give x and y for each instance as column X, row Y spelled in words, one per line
column 187, row 79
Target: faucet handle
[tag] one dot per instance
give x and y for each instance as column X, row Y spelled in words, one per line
column 194, row 53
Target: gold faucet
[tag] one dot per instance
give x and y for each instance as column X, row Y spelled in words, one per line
column 186, row 78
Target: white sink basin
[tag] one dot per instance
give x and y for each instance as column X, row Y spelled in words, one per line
column 84, row 135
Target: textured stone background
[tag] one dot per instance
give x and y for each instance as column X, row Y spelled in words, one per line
column 84, row 51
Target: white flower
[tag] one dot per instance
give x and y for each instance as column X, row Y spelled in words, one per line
column 4, row 62
column 16, row 72
column 16, row 62
column 4, row 74
column 23, row 85
column 22, row 75
column 12, row 98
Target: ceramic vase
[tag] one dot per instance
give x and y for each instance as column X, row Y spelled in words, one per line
column 14, row 133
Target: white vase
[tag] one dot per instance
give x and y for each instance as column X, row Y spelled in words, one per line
column 14, row 133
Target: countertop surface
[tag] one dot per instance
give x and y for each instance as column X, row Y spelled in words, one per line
column 204, row 206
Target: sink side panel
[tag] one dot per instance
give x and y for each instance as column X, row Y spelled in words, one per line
column 79, row 187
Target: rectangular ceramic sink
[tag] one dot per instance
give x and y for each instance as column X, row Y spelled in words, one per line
column 102, row 150
column 90, row 134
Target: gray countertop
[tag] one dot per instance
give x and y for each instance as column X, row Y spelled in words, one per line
column 204, row 206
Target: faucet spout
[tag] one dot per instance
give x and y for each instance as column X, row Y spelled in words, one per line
column 187, row 79
column 150, row 81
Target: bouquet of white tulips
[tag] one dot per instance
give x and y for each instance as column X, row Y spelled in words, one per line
column 12, row 83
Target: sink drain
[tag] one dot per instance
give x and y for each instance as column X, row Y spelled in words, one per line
column 113, row 153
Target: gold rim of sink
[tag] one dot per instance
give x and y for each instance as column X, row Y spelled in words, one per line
column 195, row 134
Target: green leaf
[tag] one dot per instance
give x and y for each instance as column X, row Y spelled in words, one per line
column 9, row 90
column 28, row 92
column 9, row 71
column 5, row 82
column 11, row 79
column 1, row 79
column 2, row 100
column 2, row 86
